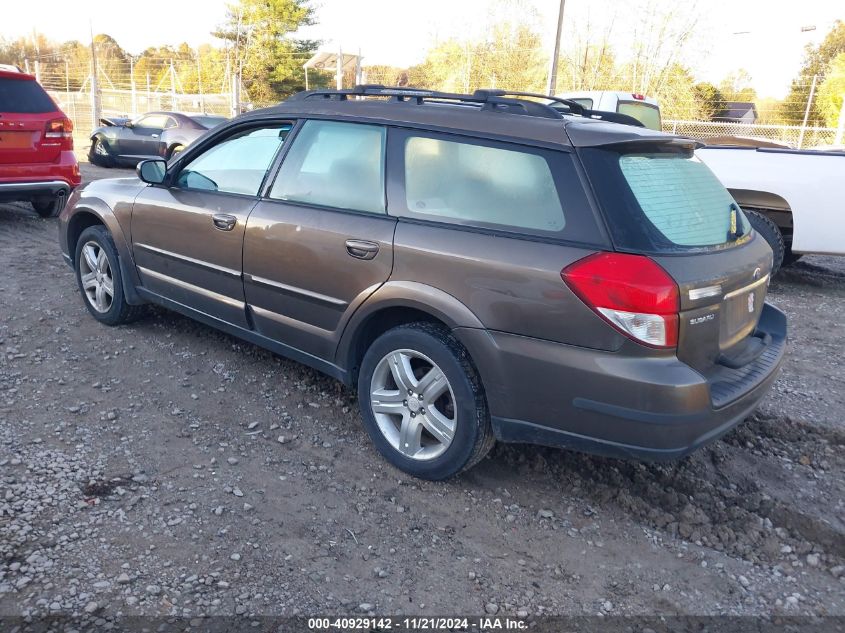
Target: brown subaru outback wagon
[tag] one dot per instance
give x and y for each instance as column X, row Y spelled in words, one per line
column 481, row 267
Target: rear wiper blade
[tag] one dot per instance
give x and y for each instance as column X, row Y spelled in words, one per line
column 732, row 226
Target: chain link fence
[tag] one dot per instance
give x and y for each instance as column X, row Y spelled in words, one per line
column 790, row 135
column 126, row 103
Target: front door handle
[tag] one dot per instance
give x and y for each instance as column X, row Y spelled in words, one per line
column 361, row 249
column 224, row 221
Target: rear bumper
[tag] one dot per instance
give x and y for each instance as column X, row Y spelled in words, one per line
column 615, row 404
column 25, row 181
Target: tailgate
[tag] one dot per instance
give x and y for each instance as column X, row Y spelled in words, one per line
column 722, row 295
column 22, row 139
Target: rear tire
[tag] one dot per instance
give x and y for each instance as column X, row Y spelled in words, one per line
column 100, row 154
column 175, row 151
column 770, row 232
column 99, row 278
column 789, row 257
column 50, row 207
column 447, row 421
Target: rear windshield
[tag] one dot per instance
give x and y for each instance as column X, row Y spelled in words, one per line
column 24, row 96
column 663, row 201
column 645, row 113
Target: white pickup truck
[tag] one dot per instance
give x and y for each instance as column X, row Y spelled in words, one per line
column 793, row 198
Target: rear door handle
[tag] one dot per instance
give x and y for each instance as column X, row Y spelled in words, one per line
column 361, row 249
column 224, row 221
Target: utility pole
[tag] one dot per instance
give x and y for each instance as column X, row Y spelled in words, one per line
column 95, row 85
column 199, row 82
column 132, row 85
column 807, row 111
column 552, row 85
column 172, row 86
column 67, row 91
column 339, row 69
column 37, row 56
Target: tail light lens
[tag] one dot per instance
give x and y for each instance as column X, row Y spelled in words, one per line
column 61, row 129
column 631, row 292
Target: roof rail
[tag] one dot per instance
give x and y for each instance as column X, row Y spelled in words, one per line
column 573, row 107
column 487, row 99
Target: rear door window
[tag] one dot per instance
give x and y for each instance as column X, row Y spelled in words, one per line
column 663, row 201
column 487, row 184
column 24, row 96
column 481, row 185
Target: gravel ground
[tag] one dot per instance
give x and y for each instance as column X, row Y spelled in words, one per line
column 167, row 469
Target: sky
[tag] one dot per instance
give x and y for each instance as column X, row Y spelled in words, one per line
column 762, row 36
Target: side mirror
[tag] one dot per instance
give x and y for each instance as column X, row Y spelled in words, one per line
column 152, row 171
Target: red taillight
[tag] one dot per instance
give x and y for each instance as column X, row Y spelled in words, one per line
column 61, row 129
column 631, row 292
column 638, row 97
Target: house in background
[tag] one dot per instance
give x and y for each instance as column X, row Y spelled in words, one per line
column 737, row 112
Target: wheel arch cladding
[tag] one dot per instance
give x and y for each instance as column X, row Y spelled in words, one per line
column 394, row 304
column 85, row 216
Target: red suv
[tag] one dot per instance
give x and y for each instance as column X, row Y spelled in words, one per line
column 37, row 163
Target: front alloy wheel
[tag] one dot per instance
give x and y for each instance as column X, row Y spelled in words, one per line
column 413, row 404
column 96, row 275
column 99, row 278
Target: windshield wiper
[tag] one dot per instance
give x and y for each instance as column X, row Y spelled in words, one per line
column 733, row 233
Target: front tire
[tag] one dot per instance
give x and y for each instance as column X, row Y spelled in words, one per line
column 770, row 232
column 422, row 402
column 99, row 278
column 100, row 154
column 51, row 206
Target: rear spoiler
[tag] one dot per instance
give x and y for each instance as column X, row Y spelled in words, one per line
column 114, row 121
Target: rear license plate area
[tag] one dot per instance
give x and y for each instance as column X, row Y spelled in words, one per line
column 740, row 314
column 15, row 140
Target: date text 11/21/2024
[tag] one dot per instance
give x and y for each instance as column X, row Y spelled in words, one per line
column 414, row 624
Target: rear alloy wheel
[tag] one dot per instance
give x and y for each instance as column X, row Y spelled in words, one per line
column 50, row 207
column 99, row 278
column 99, row 153
column 422, row 402
column 413, row 404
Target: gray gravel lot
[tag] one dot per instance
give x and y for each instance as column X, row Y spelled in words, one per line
column 165, row 468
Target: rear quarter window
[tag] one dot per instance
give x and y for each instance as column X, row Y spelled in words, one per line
column 24, row 96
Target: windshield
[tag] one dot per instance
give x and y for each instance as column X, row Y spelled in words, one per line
column 664, row 201
column 645, row 113
column 209, row 122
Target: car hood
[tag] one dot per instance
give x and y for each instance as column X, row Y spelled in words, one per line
column 114, row 121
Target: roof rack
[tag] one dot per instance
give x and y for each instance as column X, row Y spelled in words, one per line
column 573, row 107
column 487, row 99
